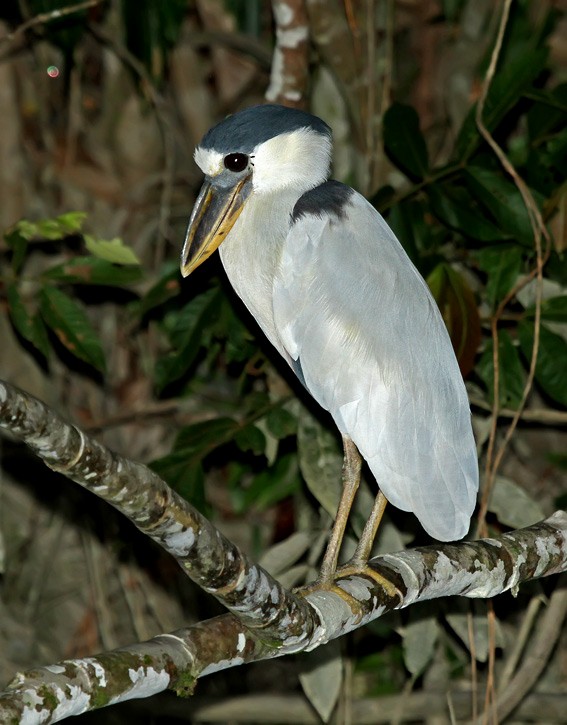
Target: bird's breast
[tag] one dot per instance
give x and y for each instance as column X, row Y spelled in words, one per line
column 251, row 255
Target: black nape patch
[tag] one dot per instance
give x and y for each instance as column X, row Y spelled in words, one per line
column 330, row 198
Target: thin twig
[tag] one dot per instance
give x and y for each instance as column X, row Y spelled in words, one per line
column 520, row 641
column 535, row 415
column 48, row 17
column 495, row 458
column 164, row 119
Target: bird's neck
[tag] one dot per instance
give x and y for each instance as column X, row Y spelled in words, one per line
column 251, row 253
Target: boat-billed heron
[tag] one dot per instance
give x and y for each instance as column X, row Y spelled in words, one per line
column 335, row 293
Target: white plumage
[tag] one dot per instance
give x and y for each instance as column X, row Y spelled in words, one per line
column 334, row 291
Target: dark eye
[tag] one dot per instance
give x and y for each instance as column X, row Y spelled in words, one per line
column 236, row 162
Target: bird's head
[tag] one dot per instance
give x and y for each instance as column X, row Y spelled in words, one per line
column 262, row 150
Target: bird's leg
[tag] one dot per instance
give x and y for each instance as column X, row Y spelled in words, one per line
column 364, row 547
column 352, row 463
column 351, row 480
column 358, row 564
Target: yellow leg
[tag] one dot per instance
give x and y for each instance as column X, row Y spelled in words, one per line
column 351, row 480
column 359, row 562
column 364, row 548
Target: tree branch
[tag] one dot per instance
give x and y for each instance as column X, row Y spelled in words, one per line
column 267, row 620
column 204, row 554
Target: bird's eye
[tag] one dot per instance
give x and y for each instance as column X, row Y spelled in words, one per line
column 236, row 162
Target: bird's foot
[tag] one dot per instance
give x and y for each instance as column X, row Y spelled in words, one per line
column 362, row 568
column 326, row 585
column 351, row 568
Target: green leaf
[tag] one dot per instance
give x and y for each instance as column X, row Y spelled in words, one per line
column 69, row 321
column 321, row 677
column 251, row 438
column 548, row 112
column 506, row 89
column 19, row 246
column 457, row 304
column 62, row 226
column 52, row 229
column 502, row 199
column 320, row 461
column 188, row 336
column 113, row 250
column 484, row 639
column 502, row 265
column 551, row 361
column 199, row 439
column 419, row 639
column 92, row 270
column 404, row 141
column 29, row 326
column 512, row 504
column 455, row 208
column 281, row 423
column 512, row 377
column 151, row 29
column 163, row 290
column 553, row 309
column 273, row 485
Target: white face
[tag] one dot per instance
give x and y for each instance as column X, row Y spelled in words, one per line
column 296, row 160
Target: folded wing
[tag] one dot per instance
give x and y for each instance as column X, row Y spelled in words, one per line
column 363, row 331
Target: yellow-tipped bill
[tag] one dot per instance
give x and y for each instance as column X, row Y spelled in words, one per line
column 213, row 216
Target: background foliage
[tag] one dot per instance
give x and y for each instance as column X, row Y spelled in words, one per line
column 101, row 111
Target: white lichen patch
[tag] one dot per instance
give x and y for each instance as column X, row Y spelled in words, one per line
column 56, row 669
column 3, row 394
column 222, row 665
column 240, row 642
column 334, row 614
column 99, row 671
column 293, row 37
column 72, row 701
column 545, row 549
column 358, row 587
column 283, row 13
column 44, row 446
column 146, row 681
column 177, row 539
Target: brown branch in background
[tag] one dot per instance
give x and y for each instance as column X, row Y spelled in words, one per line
column 256, row 49
column 289, row 73
column 546, row 635
column 376, row 155
column 531, row 415
column 333, row 38
column 165, row 123
column 48, row 17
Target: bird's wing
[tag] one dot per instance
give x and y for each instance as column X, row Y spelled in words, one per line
column 365, row 334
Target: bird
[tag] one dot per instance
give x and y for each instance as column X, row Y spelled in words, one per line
column 335, row 293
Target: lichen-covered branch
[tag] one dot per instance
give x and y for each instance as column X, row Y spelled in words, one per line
column 267, row 620
column 207, row 557
column 176, row 660
column 290, row 64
